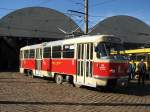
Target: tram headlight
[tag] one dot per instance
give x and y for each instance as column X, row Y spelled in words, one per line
column 112, row 71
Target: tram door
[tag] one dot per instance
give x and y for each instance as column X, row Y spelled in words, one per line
column 38, row 61
column 84, row 63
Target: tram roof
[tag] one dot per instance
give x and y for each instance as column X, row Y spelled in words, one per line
column 81, row 39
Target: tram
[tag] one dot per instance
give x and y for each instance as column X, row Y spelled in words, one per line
column 85, row 60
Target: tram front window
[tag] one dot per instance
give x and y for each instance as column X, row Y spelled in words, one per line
column 109, row 50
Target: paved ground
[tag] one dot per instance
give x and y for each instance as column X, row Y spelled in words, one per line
column 19, row 93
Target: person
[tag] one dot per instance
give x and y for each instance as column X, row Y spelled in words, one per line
column 148, row 69
column 129, row 70
column 133, row 69
column 142, row 71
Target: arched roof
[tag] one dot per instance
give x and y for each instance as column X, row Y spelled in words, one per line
column 130, row 29
column 36, row 22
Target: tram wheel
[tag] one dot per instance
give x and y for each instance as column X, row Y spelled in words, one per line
column 31, row 73
column 59, row 79
column 28, row 73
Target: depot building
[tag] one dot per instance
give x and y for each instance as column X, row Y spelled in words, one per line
column 33, row 25
column 30, row 26
column 134, row 32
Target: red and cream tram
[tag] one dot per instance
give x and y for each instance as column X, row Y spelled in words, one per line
column 86, row 60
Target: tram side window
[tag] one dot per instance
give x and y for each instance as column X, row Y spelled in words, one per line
column 88, row 51
column 26, row 53
column 101, row 50
column 32, row 53
column 79, row 51
column 90, row 47
column 56, row 52
column 47, row 52
column 91, row 57
column 68, row 51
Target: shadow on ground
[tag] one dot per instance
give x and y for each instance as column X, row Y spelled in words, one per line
column 133, row 88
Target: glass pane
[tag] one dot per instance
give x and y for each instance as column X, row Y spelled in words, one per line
column 87, row 69
column 78, row 68
column 88, row 48
column 68, row 51
column 81, row 68
column 91, row 52
column 32, row 53
column 56, row 52
column 47, row 52
column 26, row 53
column 91, row 69
column 82, row 51
column 78, row 51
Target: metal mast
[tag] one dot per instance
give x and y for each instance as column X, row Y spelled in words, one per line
column 86, row 17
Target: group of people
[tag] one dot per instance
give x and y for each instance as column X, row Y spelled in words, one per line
column 141, row 70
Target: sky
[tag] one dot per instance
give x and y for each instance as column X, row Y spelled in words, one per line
column 98, row 9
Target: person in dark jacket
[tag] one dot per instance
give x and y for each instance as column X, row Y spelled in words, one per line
column 130, row 70
column 133, row 69
column 142, row 71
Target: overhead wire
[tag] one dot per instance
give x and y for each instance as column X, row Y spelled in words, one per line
column 73, row 1
column 43, row 2
column 103, row 2
column 2, row 8
column 46, row 1
column 27, row 29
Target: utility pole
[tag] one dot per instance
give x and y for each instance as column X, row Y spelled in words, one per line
column 85, row 13
column 86, row 17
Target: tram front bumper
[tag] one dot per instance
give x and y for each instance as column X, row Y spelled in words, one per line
column 121, row 81
column 101, row 82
